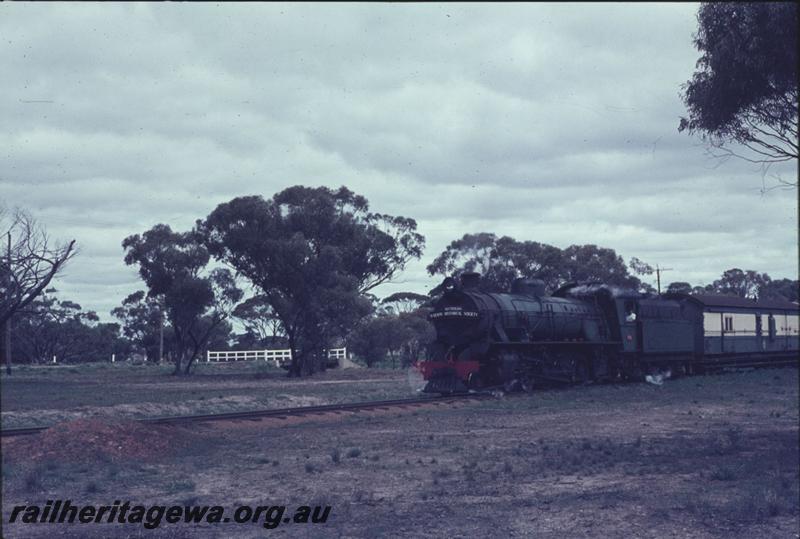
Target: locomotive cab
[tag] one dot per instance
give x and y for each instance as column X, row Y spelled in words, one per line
column 628, row 314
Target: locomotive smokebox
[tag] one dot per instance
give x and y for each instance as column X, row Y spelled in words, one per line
column 470, row 279
column 528, row 287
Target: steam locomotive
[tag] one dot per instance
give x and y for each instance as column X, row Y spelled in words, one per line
column 595, row 332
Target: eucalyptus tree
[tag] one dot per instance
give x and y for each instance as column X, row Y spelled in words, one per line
column 143, row 324
column 501, row 260
column 744, row 90
column 196, row 301
column 313, row 254
column 404, row 302
column 259, row 319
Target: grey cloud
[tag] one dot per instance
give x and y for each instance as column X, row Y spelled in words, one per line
column 550, row 122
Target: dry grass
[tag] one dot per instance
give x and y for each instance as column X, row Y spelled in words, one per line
column 698, row 457
column 45, row 395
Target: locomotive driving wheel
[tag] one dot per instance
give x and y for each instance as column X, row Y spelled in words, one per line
column 528, row 384
column 475, row 381
column 580, row 371
column 526, row 376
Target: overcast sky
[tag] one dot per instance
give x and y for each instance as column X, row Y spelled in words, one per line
column 553, row 123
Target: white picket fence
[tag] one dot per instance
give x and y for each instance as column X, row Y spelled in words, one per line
column 276, row 357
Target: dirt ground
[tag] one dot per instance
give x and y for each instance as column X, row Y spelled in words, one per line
column 44, row 395
column 712, row 456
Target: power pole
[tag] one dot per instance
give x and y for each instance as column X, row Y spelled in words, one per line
column 161, row 331
column 658, row 277
column 7, row 335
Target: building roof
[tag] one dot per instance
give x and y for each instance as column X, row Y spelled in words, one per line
column 713, row 300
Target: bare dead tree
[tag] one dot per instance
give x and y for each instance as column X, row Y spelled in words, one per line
column 29, row 260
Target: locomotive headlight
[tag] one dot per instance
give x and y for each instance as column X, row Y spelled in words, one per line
column 449, row 284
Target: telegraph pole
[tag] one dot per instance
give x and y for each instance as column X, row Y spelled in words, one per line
column 658, row 277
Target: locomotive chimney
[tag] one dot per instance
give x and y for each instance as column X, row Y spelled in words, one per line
column 470, row 279
column 528, row 287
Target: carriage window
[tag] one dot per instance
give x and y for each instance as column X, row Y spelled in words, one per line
column 771, row 323
column 728, row 323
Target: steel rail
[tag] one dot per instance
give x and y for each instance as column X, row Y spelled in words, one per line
column 712, row 366
column 21, row 432
column 733, row 360
column 281, row 413
column 358, row 406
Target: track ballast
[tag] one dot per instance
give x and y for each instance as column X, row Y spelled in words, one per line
column 279, row 413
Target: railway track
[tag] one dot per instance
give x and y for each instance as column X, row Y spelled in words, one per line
column 282, row 413
column 752, row 361
column 285, row 413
